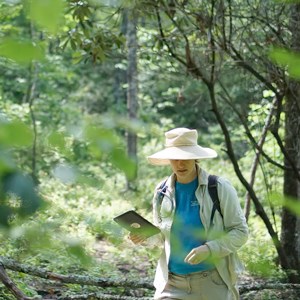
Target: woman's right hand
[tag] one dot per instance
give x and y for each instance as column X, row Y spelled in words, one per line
column 136, row 238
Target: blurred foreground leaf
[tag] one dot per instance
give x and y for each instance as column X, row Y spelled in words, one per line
column 18, row 197
column 106, row 141
column 22, row 52
column 290, row 203
column 47, row 14
column 15, row 134
column 120, row 160
column 65, row 173
column 75, row 249
column 23, row 187
column 288, row 59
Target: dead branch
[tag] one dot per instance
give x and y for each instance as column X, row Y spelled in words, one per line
column 10, row 285
column 73, row 279
column 95, row 281
column 99, row 296
column 268, row 286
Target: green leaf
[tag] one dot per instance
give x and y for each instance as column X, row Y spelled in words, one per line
column 268, row 93
column 22, row 52
column 293, row 206
column 57, row 140
column 23, row 187
column 76, row 56
column 290, row 203
column 6, row 162
column 75, row 249
column 48, row 14
column 15, row 134
column 6, row 213
column 104, row 138
column 65, row 173
column 120, row 160
column 289, row 59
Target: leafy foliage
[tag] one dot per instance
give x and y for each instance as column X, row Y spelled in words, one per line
column 78, row 112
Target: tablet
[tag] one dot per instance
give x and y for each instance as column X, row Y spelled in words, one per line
column 135, row 223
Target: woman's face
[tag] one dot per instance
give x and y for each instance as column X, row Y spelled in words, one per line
column 185, row 170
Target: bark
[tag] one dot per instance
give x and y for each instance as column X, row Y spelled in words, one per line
column 268, row 286
column 99, row 296
column 10, row 285
column 74, row 279
column 29, row 98
column 290, row 221
column 132, row 80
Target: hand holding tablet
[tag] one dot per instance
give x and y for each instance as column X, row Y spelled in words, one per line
column 136, row 224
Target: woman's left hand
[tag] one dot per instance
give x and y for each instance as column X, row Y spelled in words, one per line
column 197, row 255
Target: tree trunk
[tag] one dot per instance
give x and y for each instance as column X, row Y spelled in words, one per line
column 132, row 89
column 290, row 237
column 290, row 221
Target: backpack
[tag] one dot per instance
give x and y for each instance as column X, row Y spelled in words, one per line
column 212, row 190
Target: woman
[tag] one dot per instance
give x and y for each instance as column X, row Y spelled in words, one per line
column 199, row 259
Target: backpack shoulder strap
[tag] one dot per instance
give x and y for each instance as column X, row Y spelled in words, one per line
column 160, row 193
column 213, row 192
column 161, row 190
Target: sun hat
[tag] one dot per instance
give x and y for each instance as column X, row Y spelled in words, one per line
column 182, row 144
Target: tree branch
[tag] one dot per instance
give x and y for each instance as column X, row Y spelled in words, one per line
column 227, row 99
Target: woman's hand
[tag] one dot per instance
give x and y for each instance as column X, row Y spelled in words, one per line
column 197, row 255
column 136, row 238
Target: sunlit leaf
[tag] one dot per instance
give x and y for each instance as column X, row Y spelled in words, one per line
column 48, row 14
column 268, row 93
column 15, row 134
column 289, row 59
column 263, row 267
column 22, row 52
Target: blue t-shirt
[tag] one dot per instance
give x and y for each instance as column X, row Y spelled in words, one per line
column 187, row 230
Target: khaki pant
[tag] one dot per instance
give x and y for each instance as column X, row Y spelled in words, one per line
column 206, row 285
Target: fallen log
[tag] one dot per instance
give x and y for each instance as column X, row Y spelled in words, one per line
column 7, row 263
column 10, row 285
column 99, row 296
column 268, row 286
column 72, row 279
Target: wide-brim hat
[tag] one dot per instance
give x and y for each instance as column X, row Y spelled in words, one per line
column 181, row 144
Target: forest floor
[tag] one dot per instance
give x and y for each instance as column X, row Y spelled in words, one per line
column 141, row 265
column 134, row 264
